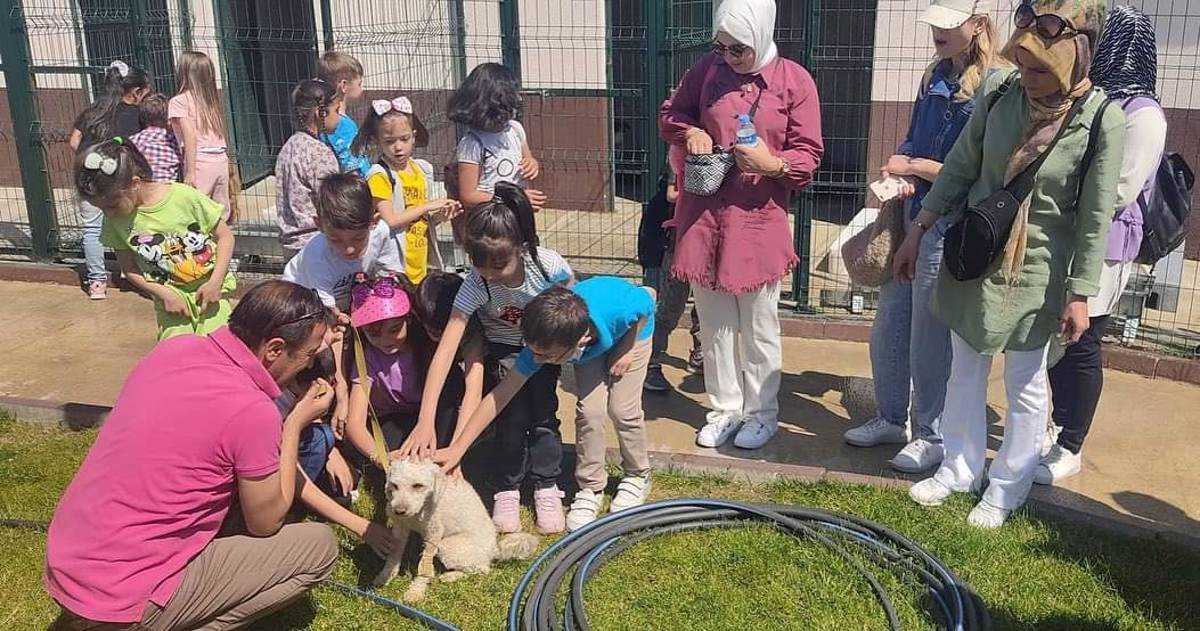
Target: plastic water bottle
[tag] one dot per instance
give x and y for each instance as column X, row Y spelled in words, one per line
column 746, row 135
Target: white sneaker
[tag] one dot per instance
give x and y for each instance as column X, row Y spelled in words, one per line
column 1058, row 465
column 929, row 492
column 632, row 491
column 985, row 515
column 876, row 432
column 917, row 456
column 754, row 434
column 720, row 428
column 584, row 509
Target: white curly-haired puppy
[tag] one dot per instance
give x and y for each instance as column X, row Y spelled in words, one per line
column 447, row 512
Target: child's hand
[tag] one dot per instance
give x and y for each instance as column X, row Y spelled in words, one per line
column 174, row 304
column 339, row 472
column 537, row 199
column 529, row 167
column 380, row 538
column 620, row 365
column 443, row 210
column 448, row 458
column 341, row 412
column 420, row 444
column 209, row 293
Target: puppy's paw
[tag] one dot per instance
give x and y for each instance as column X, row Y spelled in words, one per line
column 451, row 576
column 416, row 591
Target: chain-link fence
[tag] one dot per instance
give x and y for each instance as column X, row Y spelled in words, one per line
column 594, row 74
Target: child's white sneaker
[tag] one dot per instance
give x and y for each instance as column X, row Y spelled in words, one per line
column 754, row 434
column 929, row 492
column 584, row 509
column 721, row 426
column 632, row 491
column 984, row 515
column 1057, row 465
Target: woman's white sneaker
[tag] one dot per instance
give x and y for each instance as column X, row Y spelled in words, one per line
column 918, row 455
column 986, row 516
column 584, row 509
column 876, row 431
column 719, row 429
column 632, row 491
column 1057, row 465
column 929, row 492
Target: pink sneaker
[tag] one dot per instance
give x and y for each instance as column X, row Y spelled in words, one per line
column 506, row 512
column 97, row 290
column 549, row 511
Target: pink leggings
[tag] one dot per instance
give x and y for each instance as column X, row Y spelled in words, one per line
column 212, row 179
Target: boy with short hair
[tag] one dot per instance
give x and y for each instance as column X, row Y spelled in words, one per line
column 350, row 241
column 156, row 141
column 345, row 73
column 604, row 326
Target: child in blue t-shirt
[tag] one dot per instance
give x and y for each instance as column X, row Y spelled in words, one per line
column 345, row 73
column 604, row 326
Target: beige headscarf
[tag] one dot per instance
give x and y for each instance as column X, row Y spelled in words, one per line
column 751, row 23
column 1069, row 57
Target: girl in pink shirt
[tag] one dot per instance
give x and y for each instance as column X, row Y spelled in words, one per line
column 197, row 118
column 735, row 246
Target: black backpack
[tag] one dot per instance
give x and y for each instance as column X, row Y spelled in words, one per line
column 977, row 239
column 1165, row 208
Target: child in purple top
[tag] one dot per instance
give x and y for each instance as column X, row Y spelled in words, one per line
column 396, row 351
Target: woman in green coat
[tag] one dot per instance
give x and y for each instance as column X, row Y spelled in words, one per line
column 1051, row 262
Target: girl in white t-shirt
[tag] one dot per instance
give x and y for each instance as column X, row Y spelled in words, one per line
column 495, row 148
column 509, row 270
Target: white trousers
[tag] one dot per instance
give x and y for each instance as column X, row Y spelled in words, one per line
column 742, row 352
column 964, row 423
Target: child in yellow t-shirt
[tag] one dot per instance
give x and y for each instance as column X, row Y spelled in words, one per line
column 400, row 183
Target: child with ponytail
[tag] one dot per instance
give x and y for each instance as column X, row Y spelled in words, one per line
column 172, row 241
column 115, row 113
column 509, row 270
column 304, row 160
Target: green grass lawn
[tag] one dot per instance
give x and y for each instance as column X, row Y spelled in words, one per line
column 1031, row 573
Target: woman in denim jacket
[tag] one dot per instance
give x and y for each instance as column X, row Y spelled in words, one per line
column 910, row 348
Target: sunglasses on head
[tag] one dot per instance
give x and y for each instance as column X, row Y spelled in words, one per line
column 1048, row 26
column 737, row 50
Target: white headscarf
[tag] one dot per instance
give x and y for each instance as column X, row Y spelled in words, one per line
column 752, row 23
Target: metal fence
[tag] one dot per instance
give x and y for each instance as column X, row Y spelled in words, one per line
column 594, row 73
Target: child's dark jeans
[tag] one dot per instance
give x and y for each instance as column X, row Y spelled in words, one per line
column 527, row 435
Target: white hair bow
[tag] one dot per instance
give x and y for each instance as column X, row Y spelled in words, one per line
column 96, row 162
column 122, row 67
column 400, row 104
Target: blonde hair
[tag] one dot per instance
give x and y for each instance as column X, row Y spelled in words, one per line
column 196, row 75
column 335, row 67
column 974, row 62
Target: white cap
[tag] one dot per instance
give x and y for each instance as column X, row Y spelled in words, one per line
column 949, row 14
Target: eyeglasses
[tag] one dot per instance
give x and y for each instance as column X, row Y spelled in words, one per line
column 382, row 287
column 308, row 315
column 737, row 50
column 1048, row 26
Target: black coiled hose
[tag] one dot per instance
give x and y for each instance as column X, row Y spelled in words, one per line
column 579, row 555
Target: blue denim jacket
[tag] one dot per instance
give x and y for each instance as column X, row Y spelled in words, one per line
column 937, row 120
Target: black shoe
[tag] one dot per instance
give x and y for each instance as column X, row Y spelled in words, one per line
column 655, row 381
column 696, row 361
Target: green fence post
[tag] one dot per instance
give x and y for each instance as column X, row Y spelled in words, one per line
column 185, row 24
column 802, row 275
column 458, row 21
column 658, row 45
column 510, row 36
column 140, row 34
column 39, row 202
column 327, row 24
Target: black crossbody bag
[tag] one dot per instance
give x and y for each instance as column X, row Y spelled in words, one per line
column 977, row 239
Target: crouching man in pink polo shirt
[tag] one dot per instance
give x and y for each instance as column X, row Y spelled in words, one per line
column 134, row 538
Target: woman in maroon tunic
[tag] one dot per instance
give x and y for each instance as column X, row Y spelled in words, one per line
column 735, row 246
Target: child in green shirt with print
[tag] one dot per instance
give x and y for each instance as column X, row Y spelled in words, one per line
column 171, row 240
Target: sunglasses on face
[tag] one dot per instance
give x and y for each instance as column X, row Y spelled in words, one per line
column 1048, row 26
column 737, row 50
